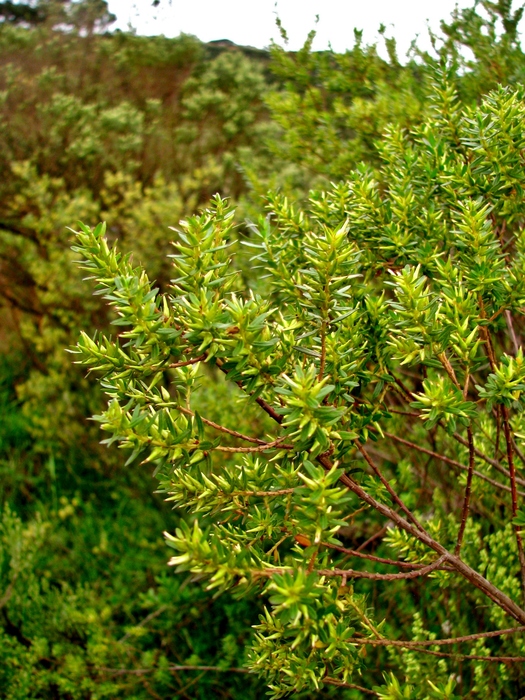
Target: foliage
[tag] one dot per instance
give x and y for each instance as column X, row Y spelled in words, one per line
column 141, row 131
column 389, row 328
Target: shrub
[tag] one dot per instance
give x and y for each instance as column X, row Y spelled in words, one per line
column 375, row 505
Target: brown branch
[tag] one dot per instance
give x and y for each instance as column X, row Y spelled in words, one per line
column 175, row 667
column 468, row 491
column 514, row 495
column 449, row 369
column 222, row 428
column 406, row 391
column 476, row 579
column 373, row 538
column 443, row 642
column 260, row 448
column 519, row 453
column 194, row 361
column 493, row 462
column 390, row 490
column 443, row 654
column 261, row 402
column 371, row 557
column 351, row 573
column 353, row 686
column 453, row 462
column 510, row 325
column 276, row 492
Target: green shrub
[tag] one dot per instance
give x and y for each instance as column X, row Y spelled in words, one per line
column 381, row 511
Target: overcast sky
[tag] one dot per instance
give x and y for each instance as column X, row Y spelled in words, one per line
column 252, row 22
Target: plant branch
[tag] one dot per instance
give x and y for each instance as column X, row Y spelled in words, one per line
column 175, row 667
column 475, row 578
column 514, row 495
column 450, row 461
column 390, row 490
column 443, row 642
column 222, row 428
column 261, row 402
column 352, row 686
column 468, row 491
column 371, row 557
column 185, row 363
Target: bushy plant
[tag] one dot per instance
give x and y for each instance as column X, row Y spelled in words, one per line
column 379, row 516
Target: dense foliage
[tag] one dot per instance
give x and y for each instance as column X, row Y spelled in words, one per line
column 328, row 391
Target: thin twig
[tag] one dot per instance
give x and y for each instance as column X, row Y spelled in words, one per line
column 468, row 491
column 260, row 448
column 444, row 654
column 373, row 537
column 449, row 369
column 510, row 325
column 222, row 428
column 390, row 490
column 352, row 573
column 371, row 557
column 143, row 671
column 448, row 460
column 353, row 686
column 443, row 642
column 493, row 462
column 514, row 496
column 261, row 402
column 143, row 622
column 185, row 363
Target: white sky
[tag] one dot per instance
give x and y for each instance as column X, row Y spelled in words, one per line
column 252, row 22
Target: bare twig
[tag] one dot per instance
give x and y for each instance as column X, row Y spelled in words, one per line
column 260, row 448
column 185, row 363
column 468, row 491
column 514, row 494
column 353, row 686
column 390, row 490
column 173, row 667
column 453, row 462
column 443, row 642
column 222, row 428
column 510, row 325
column 444, row 654
column 493, row 462
column 371, row 557
column 373, row 537
column 143, row 622
column 351, row 573
column 261, row 402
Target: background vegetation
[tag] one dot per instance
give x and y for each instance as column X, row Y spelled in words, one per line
column 141, row 132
